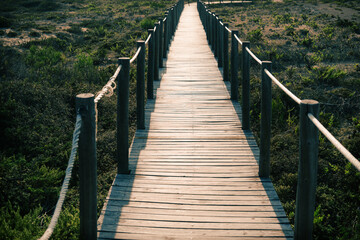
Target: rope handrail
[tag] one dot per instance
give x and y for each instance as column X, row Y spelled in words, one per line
column 165, row 18
column 110, row 86
column 136, row 55
column 227, row 29
column 65, row 185
column 221, row 23
column 280, row 85
column 148, row 39
column 253, row 55
column 335, row 142
column 238, row 39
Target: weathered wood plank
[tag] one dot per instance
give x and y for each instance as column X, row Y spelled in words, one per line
column 197, row 232
column 194, row 170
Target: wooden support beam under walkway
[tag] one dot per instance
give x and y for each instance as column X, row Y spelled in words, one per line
column 194, row 171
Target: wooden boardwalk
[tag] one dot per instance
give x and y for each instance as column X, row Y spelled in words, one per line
column 194, row 171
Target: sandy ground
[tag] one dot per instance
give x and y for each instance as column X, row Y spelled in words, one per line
column 327, row 8
column 333, row 9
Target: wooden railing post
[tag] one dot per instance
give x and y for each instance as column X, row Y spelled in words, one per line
column 176, row 17
column 174, row 20
column 157, row 48
column 166, row 37
column 140, row 86
column 226, row 53
column 221, row 45
column 234, row 66
column 307, row 173
column 150, row 73
column 122, row 133
column 210, row 29
column 213, row 30
column 217, row 39
column 245, row 86
column 161, row 25
column 265, row 124
column 87, row 167
column 207, row 15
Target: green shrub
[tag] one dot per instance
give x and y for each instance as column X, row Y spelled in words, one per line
column 34, row 34
column 43, row 56
column 5, row 22
column 255, row 35
column 328, row 75
column 290, row 30
column 68, row 226
column 157, row 4
column 282, row 19
column 14, row 226
column 84, row 69
column 12, row 34
column 48, row 5
column 147, row 23
column 75, row 29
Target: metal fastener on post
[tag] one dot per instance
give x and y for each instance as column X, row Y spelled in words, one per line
column 245, row 86
column 265, row 124
column 140, row 86
column 234, row 66
column 87, row 167
column 122, row 133
column 307, row 173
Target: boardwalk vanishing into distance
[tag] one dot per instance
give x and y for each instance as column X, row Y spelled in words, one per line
column 194, row 171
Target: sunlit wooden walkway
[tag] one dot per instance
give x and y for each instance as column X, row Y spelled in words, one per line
column 194, row 171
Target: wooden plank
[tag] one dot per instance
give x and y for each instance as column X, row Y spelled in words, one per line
column 193, row 212
column 110, row 235
column 197, row 232
column 204, row 219
column 194, row 171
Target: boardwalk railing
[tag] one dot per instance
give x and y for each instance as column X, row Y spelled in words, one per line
column 84, row 138
column 217, row 33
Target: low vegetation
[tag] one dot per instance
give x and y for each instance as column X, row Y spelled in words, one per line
column 315, row 53
column 50, row 51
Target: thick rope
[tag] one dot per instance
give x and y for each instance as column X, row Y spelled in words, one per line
column 335, row 142
column 107, row 91
column 238, row 39
column 110, row 86
column 279, row 84
column 136, row 55
column 253, row 55
column 65, row 186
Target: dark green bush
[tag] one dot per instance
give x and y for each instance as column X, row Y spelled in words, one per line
column 255, row 35
column 5, row 22
column 15, row 226
column 328, row 75
column 12, row 34
column 43, row 56
column 48, row 5
column 34, row 34
column 147, row 23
